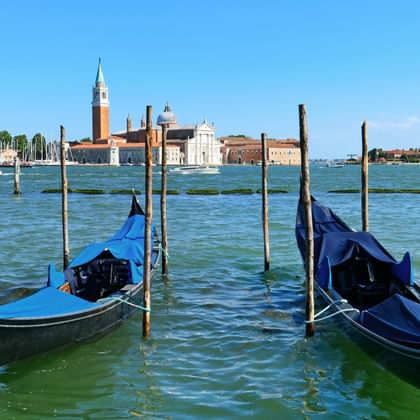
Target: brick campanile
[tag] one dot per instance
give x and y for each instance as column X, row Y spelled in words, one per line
column 100, row 107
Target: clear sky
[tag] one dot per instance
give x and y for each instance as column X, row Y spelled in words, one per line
column 246, row 65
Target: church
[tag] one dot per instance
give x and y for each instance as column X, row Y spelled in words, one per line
column 193, row 144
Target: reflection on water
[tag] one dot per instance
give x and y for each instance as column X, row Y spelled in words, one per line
column 227, row 340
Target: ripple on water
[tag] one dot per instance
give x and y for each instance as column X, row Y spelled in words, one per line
column 227, row 340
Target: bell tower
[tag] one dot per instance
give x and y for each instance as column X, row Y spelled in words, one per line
column 100, row 107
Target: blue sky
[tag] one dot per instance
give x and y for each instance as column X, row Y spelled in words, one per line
column 245, row 65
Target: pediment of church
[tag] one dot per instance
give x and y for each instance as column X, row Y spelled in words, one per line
column 206, row 126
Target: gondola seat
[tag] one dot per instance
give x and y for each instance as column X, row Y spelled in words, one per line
column 99, row 278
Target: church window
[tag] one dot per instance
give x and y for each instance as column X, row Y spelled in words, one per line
column 103, row 95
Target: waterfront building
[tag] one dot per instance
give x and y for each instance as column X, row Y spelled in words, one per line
column 188, row 144
column 401, row 154
column 194, row 144
column 244, row 150
column 7, row 154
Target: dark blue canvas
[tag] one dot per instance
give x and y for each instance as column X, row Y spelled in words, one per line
column 397, row 319
column 334, row 240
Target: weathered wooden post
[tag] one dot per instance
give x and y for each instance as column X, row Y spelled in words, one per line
column 365, row 183
column 307, row 202
column 148, row 225
column 17, row 176
column 64, row 207
column 264, row 167
column 164, row 119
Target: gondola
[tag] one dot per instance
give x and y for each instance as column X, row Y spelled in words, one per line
column 100, row 288
column 366, row 288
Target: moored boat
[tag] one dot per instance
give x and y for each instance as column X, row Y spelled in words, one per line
column 100, row 288
column 373, row 294
column 11, row 164
column 196, row 169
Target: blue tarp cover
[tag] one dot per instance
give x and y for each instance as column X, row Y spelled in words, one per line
column 126, row 244
column 340, row 246
column 334, row 240
column 43, row 303
column 397, row 319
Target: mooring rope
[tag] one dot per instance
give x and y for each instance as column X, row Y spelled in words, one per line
column 126, row 302
column 165, row 252
column 329, row 306
column 333, row 314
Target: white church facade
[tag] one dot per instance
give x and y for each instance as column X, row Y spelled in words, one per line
column 198, row 143
column 204, row 147
column 186, row 144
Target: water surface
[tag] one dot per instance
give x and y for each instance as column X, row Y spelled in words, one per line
column 227, row 340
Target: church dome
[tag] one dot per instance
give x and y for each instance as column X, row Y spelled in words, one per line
column 167, row 117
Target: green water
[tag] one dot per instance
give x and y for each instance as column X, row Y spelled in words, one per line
column 227, row 340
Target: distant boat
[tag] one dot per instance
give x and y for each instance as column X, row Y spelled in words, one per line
column 11, row 164
column 126, row 164
column 51, row 162
column 188, row 170
column 334, row 165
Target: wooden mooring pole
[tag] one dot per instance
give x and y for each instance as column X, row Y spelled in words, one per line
column 307, row 202
column 64, row 206
column 163, row 203
column 264, row 167
column 148, row 225
column 17, row 176
column 365, row 183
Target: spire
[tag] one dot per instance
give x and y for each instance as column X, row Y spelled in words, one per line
column 100, row 75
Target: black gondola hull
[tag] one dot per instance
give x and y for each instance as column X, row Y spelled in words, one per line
column 21, row 338
column 374, row 296
column 402, row 361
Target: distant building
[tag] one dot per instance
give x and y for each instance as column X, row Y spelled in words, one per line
column 7, row 155
column 401, row 154
column 244, row 150
column 194, row 144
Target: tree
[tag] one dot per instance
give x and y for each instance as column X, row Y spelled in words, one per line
column 5, row 138
column 373, row 155
column 39, row 146
column 20, row 141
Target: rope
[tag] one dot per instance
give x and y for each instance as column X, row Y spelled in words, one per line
column 126, row 302
column 333, row 314
column 329, row 306
column 165, row 252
